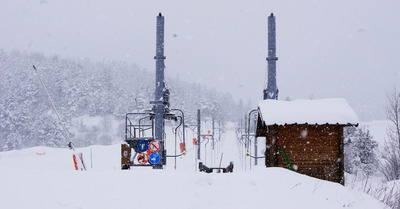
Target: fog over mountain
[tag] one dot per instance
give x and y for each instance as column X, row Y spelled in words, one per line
column 326, row 49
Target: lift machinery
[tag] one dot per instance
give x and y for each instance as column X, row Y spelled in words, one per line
column 144, row 131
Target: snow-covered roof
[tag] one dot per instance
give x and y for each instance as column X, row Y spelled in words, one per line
column 318, row 111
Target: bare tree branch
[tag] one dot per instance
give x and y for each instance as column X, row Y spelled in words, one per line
column 391, row 156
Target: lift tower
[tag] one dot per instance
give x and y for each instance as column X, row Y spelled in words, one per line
column 271, row 92
column 160, row 102
column 144, row 131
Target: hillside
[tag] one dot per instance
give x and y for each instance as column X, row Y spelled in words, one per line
column 83, row 90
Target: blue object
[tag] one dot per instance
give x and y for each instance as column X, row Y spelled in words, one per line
column 143, row 146
column 154, row 158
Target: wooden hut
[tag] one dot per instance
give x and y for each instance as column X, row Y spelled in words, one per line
column 309, row 132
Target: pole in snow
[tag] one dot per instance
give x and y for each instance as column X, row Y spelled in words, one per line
column 255, row 143
column 198, row 134
column 70, row 145
column 79, row 163
column 254, row 133
column 213, row 130
column 246, row 134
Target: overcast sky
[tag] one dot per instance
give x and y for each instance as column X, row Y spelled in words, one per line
column 347, row 49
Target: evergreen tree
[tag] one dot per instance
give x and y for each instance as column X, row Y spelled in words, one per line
column 82, row 89
column 359, row 151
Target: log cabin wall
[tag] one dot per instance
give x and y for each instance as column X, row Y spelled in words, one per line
column 313, row 150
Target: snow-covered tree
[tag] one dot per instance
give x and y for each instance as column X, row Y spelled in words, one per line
column 81, row 88
column 359, row 151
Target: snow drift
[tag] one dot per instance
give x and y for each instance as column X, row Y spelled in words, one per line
column 43, row 177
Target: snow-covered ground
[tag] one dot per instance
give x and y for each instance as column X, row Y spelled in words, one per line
column 376, row 185
column 43, row 177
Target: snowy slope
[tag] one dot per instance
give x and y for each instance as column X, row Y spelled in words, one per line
column 42, row 177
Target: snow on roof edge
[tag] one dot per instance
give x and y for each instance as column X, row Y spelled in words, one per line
column 318, row 111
